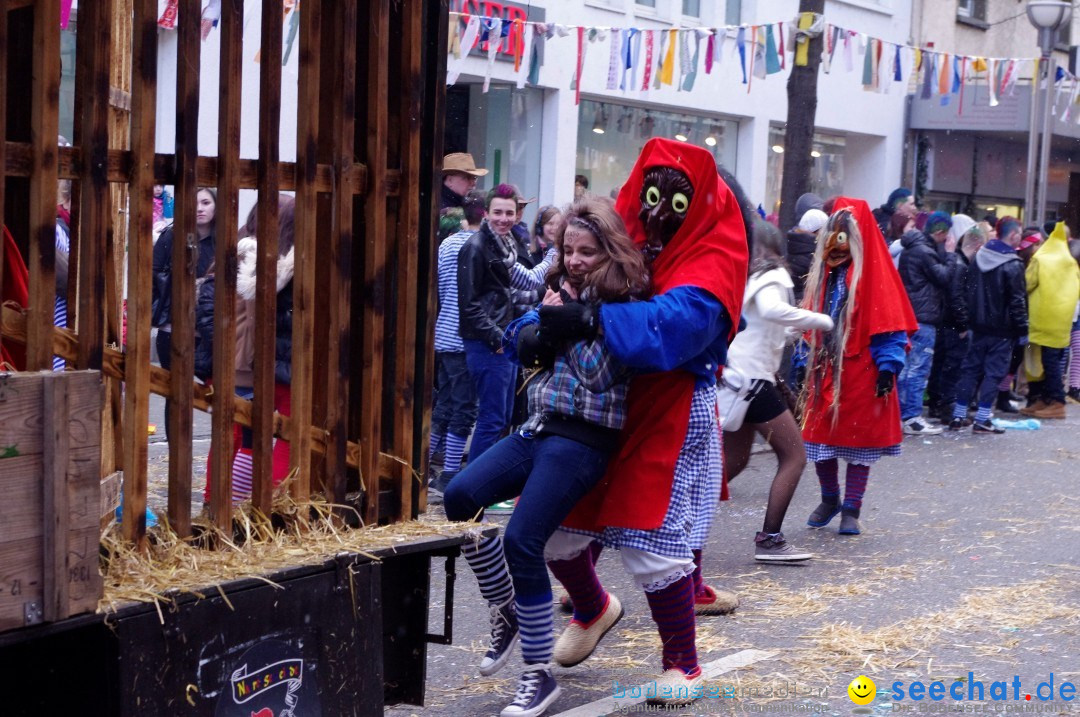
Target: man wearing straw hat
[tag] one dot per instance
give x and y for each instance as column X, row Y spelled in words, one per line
column 460, row 173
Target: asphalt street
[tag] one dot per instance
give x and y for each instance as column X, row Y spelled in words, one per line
column 969, row 562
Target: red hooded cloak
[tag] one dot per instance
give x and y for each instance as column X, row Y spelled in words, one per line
column 881, row 306
column 708, row 251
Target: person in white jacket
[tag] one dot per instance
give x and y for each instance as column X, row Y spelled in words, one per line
column 753, row 360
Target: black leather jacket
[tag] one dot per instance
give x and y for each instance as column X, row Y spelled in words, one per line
column 485, row 300
column 926, row 272
column 997, row 294
column 957, row 316
column 800, row 255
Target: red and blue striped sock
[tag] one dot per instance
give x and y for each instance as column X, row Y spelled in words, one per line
column 578, row 577
column 673, row 612
column 855, row 485
column 828, row 473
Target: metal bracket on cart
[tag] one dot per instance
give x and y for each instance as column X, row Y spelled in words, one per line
column 447, row 636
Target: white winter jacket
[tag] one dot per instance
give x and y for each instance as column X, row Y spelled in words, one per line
column 757, row 350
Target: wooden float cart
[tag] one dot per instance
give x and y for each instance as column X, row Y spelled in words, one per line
column 345, row 634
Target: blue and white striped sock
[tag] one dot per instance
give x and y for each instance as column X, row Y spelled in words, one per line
column 537, row 625
column 959, row 410
column 488, row 563
column 437, row 441
column 455, row 446
column 983, row 414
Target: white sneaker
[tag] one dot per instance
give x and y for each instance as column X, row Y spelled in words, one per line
column 918, row 426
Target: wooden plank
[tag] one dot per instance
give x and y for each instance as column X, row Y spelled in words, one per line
column 341, row 254
column 66, row 346
column 228, row 201
column 18, row 163
column 140, row 260
column 44, row 110
column 307, row 130
column 269, row 179
column 95, row 29
column 408, row 249
column 374, row 253
column 20, row 420
column 4, row 6
column 185, row 252
column 54, row 410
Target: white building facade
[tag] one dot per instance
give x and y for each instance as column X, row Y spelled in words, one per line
column 538, row 138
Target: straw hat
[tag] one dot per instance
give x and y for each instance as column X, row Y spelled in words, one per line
column 461, row 162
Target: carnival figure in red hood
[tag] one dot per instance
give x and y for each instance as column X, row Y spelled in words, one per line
column 661, row 488
column 850, row 409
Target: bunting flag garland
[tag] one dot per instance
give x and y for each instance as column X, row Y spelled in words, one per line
column 649, row 44
column 740, row 43
column 678, row 56
column 613, row 59
column 65, row 13
column 772, row 61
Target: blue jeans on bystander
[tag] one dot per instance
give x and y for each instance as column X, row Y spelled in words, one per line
column 493, row 376
column 911, row 384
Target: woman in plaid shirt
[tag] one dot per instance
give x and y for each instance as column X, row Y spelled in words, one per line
column 577, row 406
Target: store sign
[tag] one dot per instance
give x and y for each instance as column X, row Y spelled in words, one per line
column 508, row 11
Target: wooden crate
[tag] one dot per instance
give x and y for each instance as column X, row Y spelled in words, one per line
column 50, row 472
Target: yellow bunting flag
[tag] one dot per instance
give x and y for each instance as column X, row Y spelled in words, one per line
column 802, row 46
column 668, row 71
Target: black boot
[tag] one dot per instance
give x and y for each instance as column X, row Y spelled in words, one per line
column 1004, row 403
column 849, row 521
column 825, row 512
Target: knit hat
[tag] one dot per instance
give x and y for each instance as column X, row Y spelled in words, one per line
column 813, row 220
column 806, row 202
column 898, row 196
column 938, row 221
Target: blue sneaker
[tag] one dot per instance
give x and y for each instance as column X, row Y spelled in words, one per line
column 536, row 691
column 504, row 635
column 823, row 514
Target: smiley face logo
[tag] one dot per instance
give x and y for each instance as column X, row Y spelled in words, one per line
column 862, row 690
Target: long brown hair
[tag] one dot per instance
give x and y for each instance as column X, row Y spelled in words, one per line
column 621, row 274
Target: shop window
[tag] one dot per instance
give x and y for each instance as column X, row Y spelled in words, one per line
column 733, row 12
column 646, row 3
column 610, row 137
column 971, row 10
column 691, row 8
column 826, row 173
column 67, row 77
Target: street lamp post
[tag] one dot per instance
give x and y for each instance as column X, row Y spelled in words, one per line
column 1047, row 16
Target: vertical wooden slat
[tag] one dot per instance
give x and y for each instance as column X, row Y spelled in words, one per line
column 144, row 51
column 95, row 31
column 307, row 130
column 269, row 179
column 55, row 441
column 436, row 30
column 374, row 254
column 45, row 107
column 340, row 255
column 3, row 129
column 185, row 253
column 228, row 200
column 408, row 250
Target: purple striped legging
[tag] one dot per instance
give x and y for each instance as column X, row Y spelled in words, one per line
column 1074, row 360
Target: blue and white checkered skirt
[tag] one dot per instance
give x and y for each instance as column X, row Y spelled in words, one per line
column 862, row 456
column 694, row 493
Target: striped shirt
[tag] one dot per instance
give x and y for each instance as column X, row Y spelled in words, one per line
column 447, row 333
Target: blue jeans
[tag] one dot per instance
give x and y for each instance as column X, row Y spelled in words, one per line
column 949, row 353
column 550, row 473
column 989, row 357
column 1051, row 389
column 912, row 381
column 493, row 376
column 454, row 403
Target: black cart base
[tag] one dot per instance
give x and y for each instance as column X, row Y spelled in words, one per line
column 346, row 637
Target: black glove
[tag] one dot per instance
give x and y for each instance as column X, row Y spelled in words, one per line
column 532, row 350
column 885, row 382
column 573, row 322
